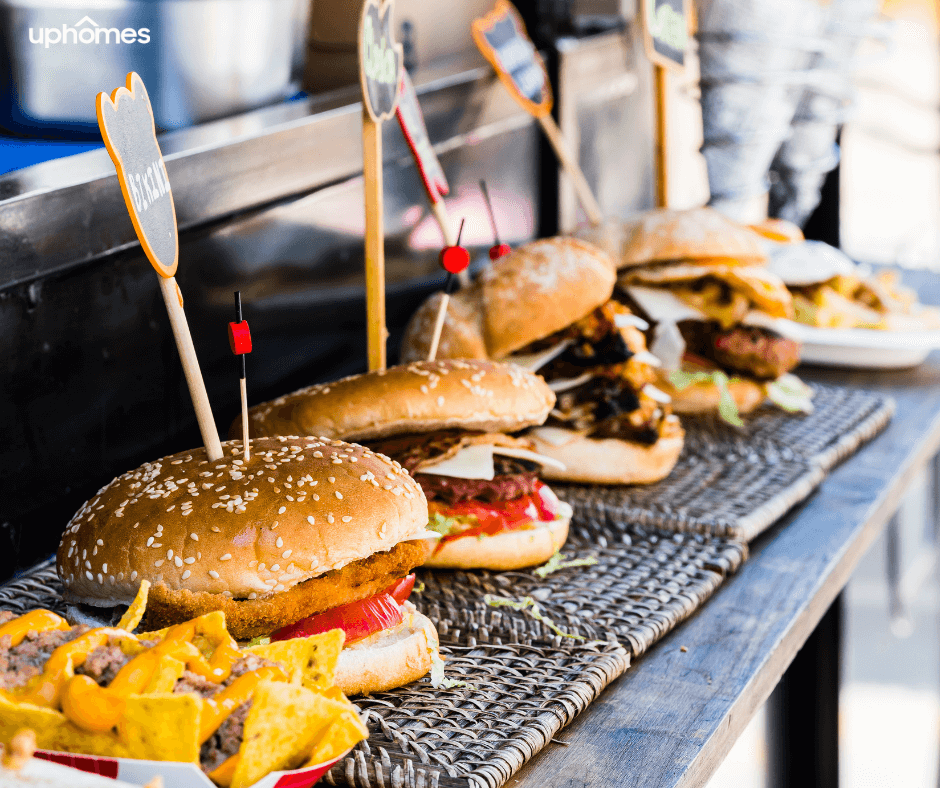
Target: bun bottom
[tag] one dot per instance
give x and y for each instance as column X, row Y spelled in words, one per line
column 515, row 549
column 609, row 460
column 703, row 397
column 388, row 659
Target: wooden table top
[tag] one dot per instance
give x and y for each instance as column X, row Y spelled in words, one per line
column 673, row 717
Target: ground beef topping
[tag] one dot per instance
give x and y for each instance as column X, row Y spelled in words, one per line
column 18, row 664
column 228, row 738
column 103, row 663
column 514, row 478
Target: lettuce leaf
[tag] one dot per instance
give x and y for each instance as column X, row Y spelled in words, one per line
column 557, row 562
column 727, row 408
column 446, row 525
column 791, row 394
column 534, row 610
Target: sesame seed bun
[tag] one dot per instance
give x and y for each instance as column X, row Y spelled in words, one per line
column 390, row 658
column 703, row 397
column 612, row 461
column 298, row 509
column 516, row 549
column 424, row 396
column 666, row 234
column 534, row 291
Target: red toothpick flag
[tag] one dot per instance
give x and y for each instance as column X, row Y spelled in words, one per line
column 498, row 249
column 454, row 259
column 239, row 340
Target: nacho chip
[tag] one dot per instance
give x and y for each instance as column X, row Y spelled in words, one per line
column 135, row 612
column 285, row 723
column 344, row 731
column 169, row 669
column 309, row 661
column 162, row 727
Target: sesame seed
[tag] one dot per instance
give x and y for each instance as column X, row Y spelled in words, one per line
column 275, row 567
column 282, row 510
column 215, row 529
column 318, row 454
column 158, row 564
column 134, row 575
column 88, row 564
column 329, row 518
column 178, row 561
column 252, row 595
column 194, row 537
column 279, row 542
column 213, row 574
column 100, row 543
column 332, row 479
column 286, row 554
column 104, row 567
column 339, row 495
column 310, row 519
column 347, row 519
column 186, row 574
column 189, row 560
column 169, row 554
column 89, row 575
column 261, row 566
column 316, row 497
column 337, row 462
column 226, row 557
column 279, row 587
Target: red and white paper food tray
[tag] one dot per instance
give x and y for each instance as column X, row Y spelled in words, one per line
column 175, row 774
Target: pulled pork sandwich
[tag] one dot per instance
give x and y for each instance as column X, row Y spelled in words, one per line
column 830, row 291
column 701, row 278
column 547, row 306
column 445, row 422
column 307, row 535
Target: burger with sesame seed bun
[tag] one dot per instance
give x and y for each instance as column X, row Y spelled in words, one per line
column 308, row 535
column 446, row 422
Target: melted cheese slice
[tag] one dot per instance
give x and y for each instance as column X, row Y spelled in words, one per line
column 535, row 361
column 476, row 462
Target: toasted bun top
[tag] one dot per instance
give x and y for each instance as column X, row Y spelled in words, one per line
column 699, row 233
column 423, row 396
column 538, row 289
column 541, row 288
column 298, row 508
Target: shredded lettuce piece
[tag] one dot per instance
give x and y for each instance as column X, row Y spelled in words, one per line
column 727, row 408
column 534, row 610
column 419, row 587
column 446, row 525
column 557, row 562
column 438, row 680
column 791, row 394
column 259, row 641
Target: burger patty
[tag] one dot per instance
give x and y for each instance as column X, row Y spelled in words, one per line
column 251, row 618
column 751, row 350
column 514, row 478
column 412, row 450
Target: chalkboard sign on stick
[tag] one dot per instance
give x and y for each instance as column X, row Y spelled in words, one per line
column 412, row 124
column 126, row 122
column 125, row 119
column 666, row 32
column 501, row 36
column 380, row 67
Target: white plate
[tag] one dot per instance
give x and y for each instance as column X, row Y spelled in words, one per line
column 861, row 347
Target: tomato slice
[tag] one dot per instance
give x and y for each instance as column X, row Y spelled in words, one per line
column 401, row 589
column 493, row 518
column 357, row 619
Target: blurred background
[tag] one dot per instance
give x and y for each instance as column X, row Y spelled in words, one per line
column 823, row 112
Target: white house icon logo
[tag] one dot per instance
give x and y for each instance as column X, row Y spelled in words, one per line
column 88, row 31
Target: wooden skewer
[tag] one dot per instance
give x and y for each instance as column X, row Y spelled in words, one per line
column 184, row 344
column 661, row 75
column 585, row 195
column 246, row 453
column 377, row 334
column 439, row 324
column 449, row 287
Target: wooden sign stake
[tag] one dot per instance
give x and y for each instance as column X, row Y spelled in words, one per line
column 665, row 38
column 661, row 76
column 380, row 66
column 454, row 260
column 125, row 119
column 501, row 37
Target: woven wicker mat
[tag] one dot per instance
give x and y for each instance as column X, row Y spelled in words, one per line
column 523, row 682
column 737, row 482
